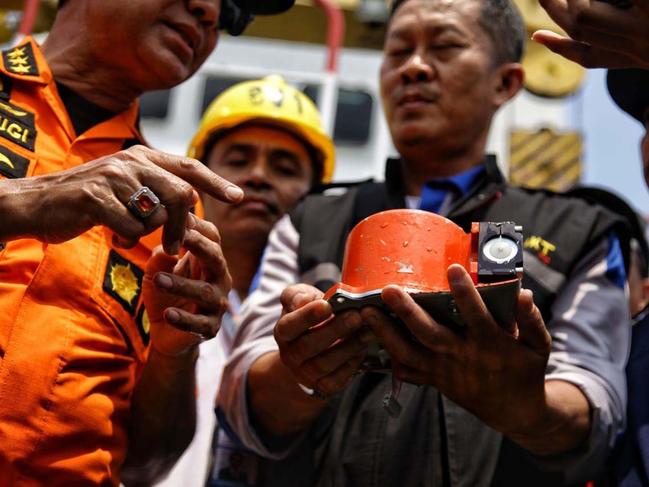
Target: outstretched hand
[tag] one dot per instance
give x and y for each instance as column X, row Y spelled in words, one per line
column 59, row 206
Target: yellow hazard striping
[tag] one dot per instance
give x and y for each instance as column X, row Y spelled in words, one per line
column 563, row 180
column 531, row 145
column 562, row 174
column 545, row 159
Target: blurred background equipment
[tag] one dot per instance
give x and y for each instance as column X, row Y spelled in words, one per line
column 547, row 74
column 373, row 12
column 22, row 17
column 545, row 159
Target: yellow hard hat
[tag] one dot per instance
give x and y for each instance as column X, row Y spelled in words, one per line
column 271, row 101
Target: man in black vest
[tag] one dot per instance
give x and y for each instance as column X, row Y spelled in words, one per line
column 494, row 409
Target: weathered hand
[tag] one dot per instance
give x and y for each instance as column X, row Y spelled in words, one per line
column 70, row 202
column 497, row 375
column 186, row 297
column 321, row 350
column 600, row 34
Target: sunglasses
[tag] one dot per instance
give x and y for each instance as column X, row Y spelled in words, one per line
column 233, row 18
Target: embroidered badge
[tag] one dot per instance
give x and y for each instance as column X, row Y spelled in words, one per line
column 17, row 125
column 15, row 111
column 20, row 60
column 12, row 165
column 143, row 325
column 542, row 247
column 123, row 281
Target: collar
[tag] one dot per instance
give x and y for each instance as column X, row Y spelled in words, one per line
column 124, row 125
column 25, row 62
column 465, row 181
column 462, row 182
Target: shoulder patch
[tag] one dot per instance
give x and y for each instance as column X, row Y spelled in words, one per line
column 17, row 125
column 143, row 325
column 123, row 281
column 12, row 165
column 20, row 60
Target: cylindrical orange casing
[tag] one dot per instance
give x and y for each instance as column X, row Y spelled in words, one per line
column 410, row 248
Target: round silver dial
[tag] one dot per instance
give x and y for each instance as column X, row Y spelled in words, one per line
column 500, row 250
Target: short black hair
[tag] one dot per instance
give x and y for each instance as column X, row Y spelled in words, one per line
column 502, row 21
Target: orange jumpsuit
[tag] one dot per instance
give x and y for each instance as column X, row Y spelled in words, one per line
column 73, row 336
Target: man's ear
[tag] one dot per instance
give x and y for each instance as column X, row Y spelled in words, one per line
column 509, row 81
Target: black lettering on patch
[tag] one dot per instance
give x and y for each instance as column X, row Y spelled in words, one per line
column 20, row 60
column 12, row 165
column 123, row 281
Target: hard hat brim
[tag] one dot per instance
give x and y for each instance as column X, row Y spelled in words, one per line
column 319, row 142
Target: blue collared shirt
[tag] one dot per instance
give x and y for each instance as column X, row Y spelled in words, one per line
column 435, row 192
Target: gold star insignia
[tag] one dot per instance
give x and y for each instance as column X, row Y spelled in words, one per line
column 19, row 61
column 17, row 52
column 20, row 69
column 124, row 282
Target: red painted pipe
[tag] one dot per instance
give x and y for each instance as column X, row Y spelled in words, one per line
column 335, row 32
column 29, row 17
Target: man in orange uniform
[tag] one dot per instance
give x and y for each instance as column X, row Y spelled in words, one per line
column 99, row 331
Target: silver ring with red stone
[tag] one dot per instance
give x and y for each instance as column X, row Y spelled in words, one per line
column 143, row 203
